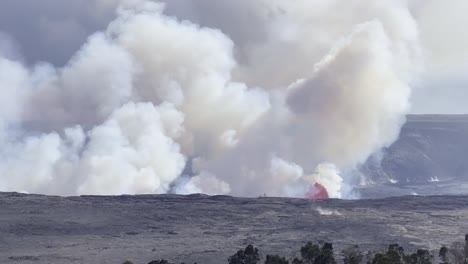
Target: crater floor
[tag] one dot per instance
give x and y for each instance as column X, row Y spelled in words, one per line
column 204, row 229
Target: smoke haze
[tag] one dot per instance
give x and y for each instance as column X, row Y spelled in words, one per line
column 219, row 97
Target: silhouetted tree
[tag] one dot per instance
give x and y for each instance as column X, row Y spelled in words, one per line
column 456, row 253
column 352, row 255
column 275, row 259
column 466, row 249
column 314, row 254
column 159, row 261
column 326, row 255
column 309, row 252
column 297, row 261
column 247, row 256
column 421, row 256
column 443, row 255
column 394, row 255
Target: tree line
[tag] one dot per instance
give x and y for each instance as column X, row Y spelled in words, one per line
column 323, row 253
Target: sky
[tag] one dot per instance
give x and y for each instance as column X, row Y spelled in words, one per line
column 444, row 82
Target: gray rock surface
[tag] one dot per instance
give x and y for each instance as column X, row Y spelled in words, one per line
column 430, row 157
column 44, row 229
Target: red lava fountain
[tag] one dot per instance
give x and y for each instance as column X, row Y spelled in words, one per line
column 317, row 192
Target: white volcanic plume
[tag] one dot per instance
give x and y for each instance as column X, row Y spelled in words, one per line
column 268, row 106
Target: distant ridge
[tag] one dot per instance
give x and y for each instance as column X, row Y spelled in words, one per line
column 437, row 118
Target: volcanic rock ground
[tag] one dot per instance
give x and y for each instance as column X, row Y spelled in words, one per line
column 428, row 159
column 44, row 229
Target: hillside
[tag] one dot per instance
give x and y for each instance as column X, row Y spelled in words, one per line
column 430, row 157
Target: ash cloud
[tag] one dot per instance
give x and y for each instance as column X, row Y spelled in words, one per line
column 262, row 97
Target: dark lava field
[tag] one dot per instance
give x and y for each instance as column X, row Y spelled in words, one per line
column 428, row 159
column 44, row 229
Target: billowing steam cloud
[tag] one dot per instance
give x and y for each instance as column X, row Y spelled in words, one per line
column 239, row 97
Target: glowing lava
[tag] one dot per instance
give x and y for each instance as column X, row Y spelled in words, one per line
column 317, row 192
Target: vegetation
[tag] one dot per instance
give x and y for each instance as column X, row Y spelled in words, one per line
column 275, row 259
column 162, row 261
column 322, row 253
column 352, row 255
column 247, row 256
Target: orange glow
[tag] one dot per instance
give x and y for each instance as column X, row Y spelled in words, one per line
column 317, row 192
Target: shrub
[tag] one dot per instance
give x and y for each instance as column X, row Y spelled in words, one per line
column 309, row 252
column 443, row 255
column 249, row 255
column 352, row 255
column 159, row 261
column 275, row 259
column 421, row 256
column 314, row 254
column 297, row 261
